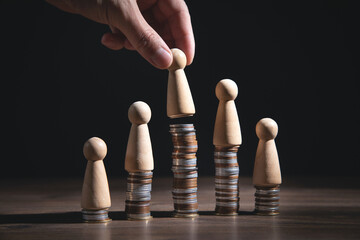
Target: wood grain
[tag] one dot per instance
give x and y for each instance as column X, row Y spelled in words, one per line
column 310, row 208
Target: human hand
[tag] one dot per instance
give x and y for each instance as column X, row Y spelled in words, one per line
column 151, row 27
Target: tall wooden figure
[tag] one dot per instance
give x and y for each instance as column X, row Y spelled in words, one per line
column 180, row 104
column 267, row 175
column 139, row 163
column 227, row 139
column 95, row 199
column 179, row 99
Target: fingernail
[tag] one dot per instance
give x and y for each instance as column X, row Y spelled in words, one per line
column 161, row 58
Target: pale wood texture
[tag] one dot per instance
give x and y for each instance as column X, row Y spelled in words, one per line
column 95, row 190
column 267, row 168
column 179, row 99
column 227, row 131
column 139, row 155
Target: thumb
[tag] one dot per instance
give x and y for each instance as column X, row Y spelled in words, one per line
column 146, row 40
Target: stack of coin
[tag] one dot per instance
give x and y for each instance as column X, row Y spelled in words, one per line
column 138, row 196
column 267, row 200
column 226, row 180
column 95, row 216
column 185, row 170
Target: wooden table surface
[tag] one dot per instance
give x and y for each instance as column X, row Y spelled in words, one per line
column 310, row 208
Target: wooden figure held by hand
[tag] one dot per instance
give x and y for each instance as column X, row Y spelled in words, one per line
column 179, row 99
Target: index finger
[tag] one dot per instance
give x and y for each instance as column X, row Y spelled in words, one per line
column 177, row 14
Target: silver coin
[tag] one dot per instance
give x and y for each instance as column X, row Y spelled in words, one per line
column 183, row 170
column 180, row 201
column 136, row 187
column 227, row 198
column 267, row 203
column 225, row 154
column 267, row 198
column 96, row 215
column 186, row 147
column 188, row 190
column 225, row 186
column 266, row 208
column 267, row 191
column 181, row 130
column 192, row 197
column 137, row 204
column 227, row 181
column 181, row 125
column 227, row 204
column 193, row 175
column 227, row 171
column 182, row 162
column 225, row 161
column 187, row 211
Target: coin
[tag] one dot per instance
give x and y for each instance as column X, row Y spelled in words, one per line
column 138, row 196
column 184, row 169
column 226, row 180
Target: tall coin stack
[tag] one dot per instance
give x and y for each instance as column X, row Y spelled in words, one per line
column 226, row 180
column 138, row 196
column 267, row 200
column 185, row 170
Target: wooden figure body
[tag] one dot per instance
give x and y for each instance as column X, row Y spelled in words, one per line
column 227, row 131
column 267, row 168
column 95, row 199
column 179, row 99
column 267, row 175
column 139, row 163
column 227, row 139
column 139, row 155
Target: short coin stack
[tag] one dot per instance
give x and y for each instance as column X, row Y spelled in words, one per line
column 95, row 216
column 226, row 180
column 267, row 200
column 185, row 170
column 138, row 196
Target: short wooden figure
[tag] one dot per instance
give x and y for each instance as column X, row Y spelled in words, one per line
column 95, row 200
column 139, row 163
column 267, row 175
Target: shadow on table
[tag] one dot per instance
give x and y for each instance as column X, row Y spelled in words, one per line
column 75, row 217
column 67, row 217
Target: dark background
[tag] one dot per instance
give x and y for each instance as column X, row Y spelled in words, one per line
column 295, row 62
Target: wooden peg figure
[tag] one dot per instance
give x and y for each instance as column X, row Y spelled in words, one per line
column 139, row 163
column 95, row 199
column 139, row 155
column 179, row 99
column 227, row 139
column 227, row 131
column 267, row 175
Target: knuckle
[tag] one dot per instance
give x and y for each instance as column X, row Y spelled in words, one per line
column 145, row 39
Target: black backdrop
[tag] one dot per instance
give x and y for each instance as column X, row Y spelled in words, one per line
column 294, row 62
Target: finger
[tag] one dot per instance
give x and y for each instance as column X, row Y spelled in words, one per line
column 145, row 39
column 114, row 41
column 128, row 45
column 177, row 14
